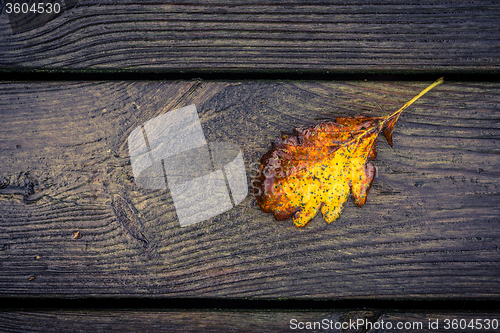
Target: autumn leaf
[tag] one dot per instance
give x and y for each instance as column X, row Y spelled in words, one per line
column 317, row 168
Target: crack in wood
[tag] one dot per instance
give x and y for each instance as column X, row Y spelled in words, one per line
column 128, row 218
column 188, row 93
column 23, row 185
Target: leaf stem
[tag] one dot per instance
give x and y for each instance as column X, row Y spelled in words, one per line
column 411, row 101
column 394, row 117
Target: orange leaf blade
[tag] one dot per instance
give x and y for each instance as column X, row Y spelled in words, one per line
column 315, row 169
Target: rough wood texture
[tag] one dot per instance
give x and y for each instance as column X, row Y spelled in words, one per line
column 429, row 229
column 359, row 36
column 245, row 321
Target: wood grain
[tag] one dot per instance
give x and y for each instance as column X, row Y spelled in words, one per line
column 428, row 231
column 239, row 321
column 359, row 36
column 168, row 321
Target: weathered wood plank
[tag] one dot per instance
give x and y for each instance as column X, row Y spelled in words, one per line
column 366, row 321
column 359, row 36
column 429, row 229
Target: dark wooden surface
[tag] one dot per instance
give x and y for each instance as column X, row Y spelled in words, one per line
column 355, row 36
column 244, row 321
column 428, row 231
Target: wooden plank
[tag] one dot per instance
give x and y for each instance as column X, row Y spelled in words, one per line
column 359, row 36
column 428, row 231
column 363, row 321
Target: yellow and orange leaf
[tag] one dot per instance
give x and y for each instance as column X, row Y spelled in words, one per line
column 317, row 168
